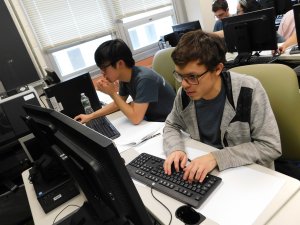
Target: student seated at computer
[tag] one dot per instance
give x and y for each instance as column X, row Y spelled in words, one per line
column 246, row 6
column 152, row 96
column 287, row 24
column 226, row 110
column 221, row 10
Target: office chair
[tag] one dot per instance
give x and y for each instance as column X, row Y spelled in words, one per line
column 164, row 65
column 281, row 85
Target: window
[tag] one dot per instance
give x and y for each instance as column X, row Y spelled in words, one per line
column 69, row 31
column 79, row 58
column 144, row 31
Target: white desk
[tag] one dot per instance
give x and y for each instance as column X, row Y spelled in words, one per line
column 277, row 207
column 283, row 57
column 281, row 202
column 280, row 208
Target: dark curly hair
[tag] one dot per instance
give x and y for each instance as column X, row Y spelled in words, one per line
column 206, row 48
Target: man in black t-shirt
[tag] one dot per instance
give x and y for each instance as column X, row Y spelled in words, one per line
column 152, row 96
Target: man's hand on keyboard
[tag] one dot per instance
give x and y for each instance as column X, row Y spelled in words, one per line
column 83, row 118
column 199, row 168
column 178, row 159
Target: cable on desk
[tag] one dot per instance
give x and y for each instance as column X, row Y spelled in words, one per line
column 62, row 211
column 161, row 204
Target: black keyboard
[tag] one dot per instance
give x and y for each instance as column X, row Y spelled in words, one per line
column 104, row 126
column 251, row 60
column 148, row 169
column 295, row 50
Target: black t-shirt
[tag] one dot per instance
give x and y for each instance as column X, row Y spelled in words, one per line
column 146, row 86
column 209, row 115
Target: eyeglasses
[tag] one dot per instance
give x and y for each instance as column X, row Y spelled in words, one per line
column 192, row 79
column 103, row 68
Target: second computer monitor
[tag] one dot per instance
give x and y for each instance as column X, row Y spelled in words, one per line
column 296, row 9
column 185, row 27
column 65, row 96
column 179, row 30
column 253, row 31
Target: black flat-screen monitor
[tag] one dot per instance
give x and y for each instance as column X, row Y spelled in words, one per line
column 65, row 96
column 179, row 30
column 296, row 9
column 96, row 165
column 12, row 126
column 186, row 27
column 282, row 6
column 253, row 31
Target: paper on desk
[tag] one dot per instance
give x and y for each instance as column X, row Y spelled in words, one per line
column 242, row 196
column 133, row 133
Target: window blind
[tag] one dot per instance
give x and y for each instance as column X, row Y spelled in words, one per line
column 125, row 8
column 63, row 22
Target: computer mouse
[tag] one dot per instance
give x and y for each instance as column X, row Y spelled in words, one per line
column 188, row 215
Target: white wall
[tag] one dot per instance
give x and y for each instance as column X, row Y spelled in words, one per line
column 200, row 10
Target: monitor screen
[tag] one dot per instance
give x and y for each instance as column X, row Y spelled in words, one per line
column 96, row 165
column 253, row 31
column 65, row 96
column 296, row 9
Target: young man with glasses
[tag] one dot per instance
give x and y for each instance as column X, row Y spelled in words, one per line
column 226, row 110
column 221, row 10
column 152, row 96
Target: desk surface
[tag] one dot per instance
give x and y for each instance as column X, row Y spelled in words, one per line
column 277, row 208
column 284, row 57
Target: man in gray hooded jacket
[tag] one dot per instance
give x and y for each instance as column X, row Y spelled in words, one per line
column 225, row 110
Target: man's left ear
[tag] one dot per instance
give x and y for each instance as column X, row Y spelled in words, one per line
column 219, row 68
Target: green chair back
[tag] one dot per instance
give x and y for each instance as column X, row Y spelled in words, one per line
column 281, row 85
column 164, row 65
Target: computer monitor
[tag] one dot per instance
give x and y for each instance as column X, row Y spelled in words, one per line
column 96, row 165
column 12, row 126
column 186, row 27
column 296, row 9
column 253, row 31
column 282, row 6
column 65, row 96
column 179, row 30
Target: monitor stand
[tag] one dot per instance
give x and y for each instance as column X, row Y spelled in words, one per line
column 242, row 58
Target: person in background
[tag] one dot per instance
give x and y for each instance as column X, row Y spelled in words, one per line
column 226, row 110
column 246, row 6
column 152, row 96
column 221, row 10
column 287, row 24
column 243, row 6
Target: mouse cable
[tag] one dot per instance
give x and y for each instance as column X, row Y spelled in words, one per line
column 62, row 211
column 161, row 204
